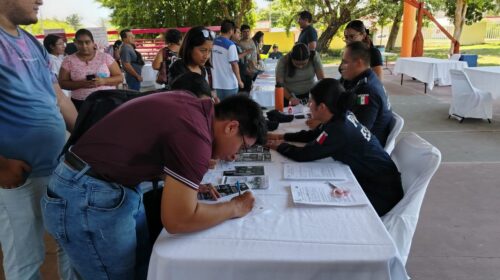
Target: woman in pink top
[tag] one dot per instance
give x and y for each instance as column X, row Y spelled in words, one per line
column 88, row 70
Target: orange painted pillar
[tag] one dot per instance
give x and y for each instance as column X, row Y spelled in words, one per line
column 409, row 25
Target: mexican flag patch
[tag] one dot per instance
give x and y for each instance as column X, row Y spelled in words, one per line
column 322, row 137
column 363, row 99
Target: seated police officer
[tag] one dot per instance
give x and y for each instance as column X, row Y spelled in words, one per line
column 372, row 107
column 344, row 139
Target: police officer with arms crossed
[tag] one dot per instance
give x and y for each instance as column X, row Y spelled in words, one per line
column 344, row 139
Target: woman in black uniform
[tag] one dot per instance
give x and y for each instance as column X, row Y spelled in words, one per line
column 344, row 139
column 356, row 31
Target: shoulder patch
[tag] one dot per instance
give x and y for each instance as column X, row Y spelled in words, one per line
column 363, row 99
column 322, row 137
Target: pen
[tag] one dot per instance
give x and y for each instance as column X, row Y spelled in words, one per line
column 238, row 187
column 336, row 191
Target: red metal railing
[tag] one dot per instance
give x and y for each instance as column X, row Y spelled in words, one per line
column 147, row 47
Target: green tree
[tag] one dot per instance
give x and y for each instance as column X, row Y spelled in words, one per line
column 74, row 20
column 177, row 13
column 328, row 15
column 466, row 12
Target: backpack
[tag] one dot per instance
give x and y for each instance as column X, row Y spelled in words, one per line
column 169, row 58
column 95, row 107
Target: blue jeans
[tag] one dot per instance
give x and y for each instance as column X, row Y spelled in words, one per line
column 100, row 225
column 132, row 82
column 223, row 93
column 21, row 232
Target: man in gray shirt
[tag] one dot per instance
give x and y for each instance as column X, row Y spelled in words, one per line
column 131, row 60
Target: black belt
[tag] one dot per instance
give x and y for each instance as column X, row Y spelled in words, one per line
column 76, row 163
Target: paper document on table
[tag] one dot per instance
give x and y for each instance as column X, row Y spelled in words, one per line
column 321, row 194
column 314, row 171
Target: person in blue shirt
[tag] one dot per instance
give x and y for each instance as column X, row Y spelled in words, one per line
column 372, row 107
column 33, row 113
column 345, row 139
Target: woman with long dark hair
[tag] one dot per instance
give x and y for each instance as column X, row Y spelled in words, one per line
column 194, row 54
column 343, row 138
column 356, row 31
column 297, row 72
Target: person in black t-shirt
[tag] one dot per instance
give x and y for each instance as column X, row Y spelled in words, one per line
column 345, row 139
column 308, row 35
column 355, row 31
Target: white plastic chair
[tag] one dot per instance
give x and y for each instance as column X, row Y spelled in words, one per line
column 417, row 161
column 396, row 125
column 455, row 56
column 468, row 101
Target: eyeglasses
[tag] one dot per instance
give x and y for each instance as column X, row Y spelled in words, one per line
column 349, row 37
column 208, row 34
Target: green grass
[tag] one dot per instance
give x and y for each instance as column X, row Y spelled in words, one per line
column 488, row 53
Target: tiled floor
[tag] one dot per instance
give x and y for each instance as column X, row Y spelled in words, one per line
column 458, row 233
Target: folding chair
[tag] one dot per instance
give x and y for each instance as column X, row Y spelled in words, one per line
column 417, row 160
column 396, row 125
column 468, row 101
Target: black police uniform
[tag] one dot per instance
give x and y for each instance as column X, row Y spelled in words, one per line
column 372, row 107
column 348, row 141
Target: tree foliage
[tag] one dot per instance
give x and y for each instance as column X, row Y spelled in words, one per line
column 475, row 9
column 177, row 13
column 328, row 15
column 74, row 20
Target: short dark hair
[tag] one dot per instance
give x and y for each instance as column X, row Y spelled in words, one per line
column 247, row 112
column 70, row 48
column 227, row 26
column 173, row 36
column 123, row 33
column 194, row 37
column 359, row 50
column 117, row 44
column 331, row 92
column 192, row 82
column 244, row 27
column 49, row 42
column 306, row 15
column 84, row 32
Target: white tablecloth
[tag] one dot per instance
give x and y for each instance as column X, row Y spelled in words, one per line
column 485, row 78
column 263, row 87
column 428, row 70
column 282, row 241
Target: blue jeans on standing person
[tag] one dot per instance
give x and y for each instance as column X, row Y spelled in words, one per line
column 223, row 93
column 100, row 225
column 132, row 82
column 21, row 232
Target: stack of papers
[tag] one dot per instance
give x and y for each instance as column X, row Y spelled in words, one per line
column 321, row 194
column 314, row 171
